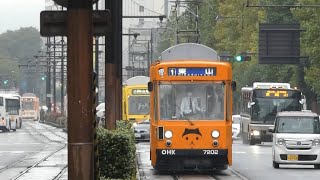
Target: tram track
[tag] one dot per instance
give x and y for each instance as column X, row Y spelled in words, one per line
column 34, row 131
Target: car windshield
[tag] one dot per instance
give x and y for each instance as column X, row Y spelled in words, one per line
column 139, row 105
column 302, row 125
column 197, row 101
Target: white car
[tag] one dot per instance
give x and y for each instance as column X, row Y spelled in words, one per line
column 236, row 126
column 296, row 139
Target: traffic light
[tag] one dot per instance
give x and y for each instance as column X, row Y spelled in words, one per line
column 5, row 82
column 43, row 78
column 241, row 58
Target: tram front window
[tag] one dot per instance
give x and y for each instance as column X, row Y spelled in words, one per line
column 27, row 105
column 197, row 101
column 139, row 105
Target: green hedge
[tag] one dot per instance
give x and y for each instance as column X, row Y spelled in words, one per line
column 117, row 152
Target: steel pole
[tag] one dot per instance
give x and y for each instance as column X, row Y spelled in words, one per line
column 80, row 96
column 62, row 78
column 97, row 60
column 113, row 66
column 54, row 75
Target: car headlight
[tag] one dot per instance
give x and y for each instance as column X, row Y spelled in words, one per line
column 316, row 142
column 168, row 134
column 280, row 141
column 256, row 133
column 215, row 134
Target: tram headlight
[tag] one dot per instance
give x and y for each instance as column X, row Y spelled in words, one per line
column 256, row 133
column 215, row 134
column 168, row 134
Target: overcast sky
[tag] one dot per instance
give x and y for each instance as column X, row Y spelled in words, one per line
column 20, row 13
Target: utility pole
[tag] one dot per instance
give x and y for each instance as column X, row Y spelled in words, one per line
column 97, row 60
column 113, row 66
column 48, row 79
column 79, row 72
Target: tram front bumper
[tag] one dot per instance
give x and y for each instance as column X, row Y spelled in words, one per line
column 191, row 159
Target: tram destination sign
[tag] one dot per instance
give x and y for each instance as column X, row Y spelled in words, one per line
column 191, row 71
column 140, row 92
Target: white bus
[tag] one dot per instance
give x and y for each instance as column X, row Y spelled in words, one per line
column 9, row 112
column 260, row 105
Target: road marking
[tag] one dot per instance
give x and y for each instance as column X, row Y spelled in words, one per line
column 239, row 152
column 10, row 144
column 14, row 152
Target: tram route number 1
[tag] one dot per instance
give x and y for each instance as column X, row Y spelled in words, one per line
column 208, row 152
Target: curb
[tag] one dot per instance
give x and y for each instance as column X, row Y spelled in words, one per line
column 137, row 166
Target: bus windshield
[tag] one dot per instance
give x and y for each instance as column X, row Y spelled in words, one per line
column 27, row 105
column 298, row 124
column 265, row 108
column 12, row 106
column 139, row 105
column 192, row 101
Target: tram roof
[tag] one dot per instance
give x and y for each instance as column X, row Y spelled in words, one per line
column 137, row 80
column 29, row 95
column 189, row 51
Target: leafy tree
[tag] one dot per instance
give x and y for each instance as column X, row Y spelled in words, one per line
column 309, row 19
column 18, row 47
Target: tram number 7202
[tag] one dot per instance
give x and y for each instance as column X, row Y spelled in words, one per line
column 208, row 152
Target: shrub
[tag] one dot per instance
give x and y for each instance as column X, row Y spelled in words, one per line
column 117, row 152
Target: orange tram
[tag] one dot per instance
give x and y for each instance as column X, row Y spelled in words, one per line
column 190, row 110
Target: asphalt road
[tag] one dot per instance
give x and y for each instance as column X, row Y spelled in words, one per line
column 36, row 151
column 249, row 163
column 15, row 146
column 255, row 163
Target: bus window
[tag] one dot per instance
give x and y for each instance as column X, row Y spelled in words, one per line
column 12, row 106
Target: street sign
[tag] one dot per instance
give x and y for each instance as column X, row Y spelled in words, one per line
column 279, row 44
column 54, row 23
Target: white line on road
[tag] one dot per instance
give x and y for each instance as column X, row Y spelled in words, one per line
column 10, row 144
column 14, row 152
column 239, row 152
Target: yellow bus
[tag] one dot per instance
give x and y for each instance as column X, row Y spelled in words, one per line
column 30, row 106
column 135, row 100
column 190, row 110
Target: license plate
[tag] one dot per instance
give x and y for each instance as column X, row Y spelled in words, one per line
column 292, row 157
column 137, row 135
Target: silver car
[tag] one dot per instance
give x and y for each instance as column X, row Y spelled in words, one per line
column 142, row 131
column 296, row 139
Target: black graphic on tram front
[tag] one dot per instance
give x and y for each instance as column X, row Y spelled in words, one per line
column 191, row 135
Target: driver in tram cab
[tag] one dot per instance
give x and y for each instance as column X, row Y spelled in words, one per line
column 189, row 104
